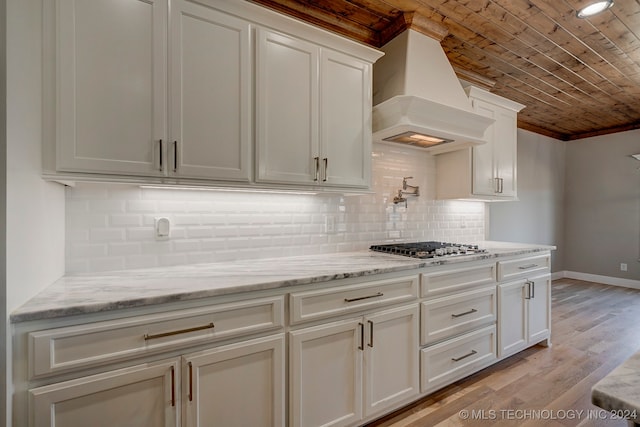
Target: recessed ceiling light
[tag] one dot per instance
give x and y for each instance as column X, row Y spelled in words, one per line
column 594, row 8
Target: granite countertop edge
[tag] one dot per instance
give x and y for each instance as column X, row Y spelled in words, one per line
column 619, row 391
column 110, row 291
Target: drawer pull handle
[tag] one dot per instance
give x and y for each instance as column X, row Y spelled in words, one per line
column 181, row 331
column 473, row 310
column 379, row 294
column 457, row 359
column 526, row 267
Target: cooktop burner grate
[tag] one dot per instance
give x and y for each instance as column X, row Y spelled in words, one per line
column 428, row 249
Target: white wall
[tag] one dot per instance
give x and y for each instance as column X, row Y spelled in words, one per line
column 111, row 226
column 34, row 208
column 538, row 216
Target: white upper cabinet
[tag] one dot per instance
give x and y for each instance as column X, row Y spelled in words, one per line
column 210, row 94
column 110, row 78
column 487, row 171
column 345, row 120
column 203, row 90
column 287, row 102
column 313, row 113
column 113, row 102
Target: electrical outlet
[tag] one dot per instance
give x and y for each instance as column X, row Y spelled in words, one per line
column 623, row 266
column 162, row 227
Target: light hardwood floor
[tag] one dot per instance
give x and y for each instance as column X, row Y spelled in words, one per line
column 594, row 329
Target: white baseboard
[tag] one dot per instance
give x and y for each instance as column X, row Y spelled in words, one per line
column 607, row 280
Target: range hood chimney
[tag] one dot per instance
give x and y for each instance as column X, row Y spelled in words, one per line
column 418, row 100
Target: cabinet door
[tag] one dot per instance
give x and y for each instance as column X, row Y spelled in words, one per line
column 505, row 151
column 111, row 85
column 512, row 315
column 540, row 309
column 287, row 106
column 483, row 168
column 346, row 120
column 139, row 396
column 210, row 98
column 325, row 375
column 236, row 385
column 391, row 358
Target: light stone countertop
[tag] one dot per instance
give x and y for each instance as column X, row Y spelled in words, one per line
column 108, row 291
column 619, row 391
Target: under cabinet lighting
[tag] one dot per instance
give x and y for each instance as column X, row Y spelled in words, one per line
column 225, row 189
column 636, row 156
column 594, row 8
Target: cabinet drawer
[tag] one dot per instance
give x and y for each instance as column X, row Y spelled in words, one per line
column 456, row 314
column 451, row 360
column 62, row 349
column 311, row 305
column 448, row 281
column 523, row 267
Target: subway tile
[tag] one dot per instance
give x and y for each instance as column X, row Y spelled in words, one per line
column 117, row 220
column 106, row 234
column 141, row 261
column 107, row 263
column 210, row 226
column 132, row 248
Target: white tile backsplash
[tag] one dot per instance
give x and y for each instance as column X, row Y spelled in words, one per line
column 110, row 226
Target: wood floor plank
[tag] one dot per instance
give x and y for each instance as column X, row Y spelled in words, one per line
column 594, row 329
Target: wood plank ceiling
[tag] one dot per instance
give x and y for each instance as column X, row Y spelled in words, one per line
column 577, row 77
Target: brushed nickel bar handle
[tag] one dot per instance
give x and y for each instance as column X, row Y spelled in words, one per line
column 181, row 331
column 473, row 310
column 361, row 346
column 317, row 175
column 326, row 165
column 464, row 357
column 370, row 333
column 527, row 267
column 173, row 386
column 533, row 290
column 528, row 290
column 379, row 294
column 190, row 381
column 496, row 184
column 160, row 153
column 501, row 185
column 175, row 156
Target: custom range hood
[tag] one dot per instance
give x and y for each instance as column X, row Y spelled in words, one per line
column 418, row 100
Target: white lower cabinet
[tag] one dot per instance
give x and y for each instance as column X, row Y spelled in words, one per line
column 236, row 385
column 213, row 386
column 524, row 313
column 453, row 359
column 342, row 355
column 348, row 370
column 458, row 323
column 145, row 395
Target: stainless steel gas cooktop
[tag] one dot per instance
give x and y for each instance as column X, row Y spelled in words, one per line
column 428, row 249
